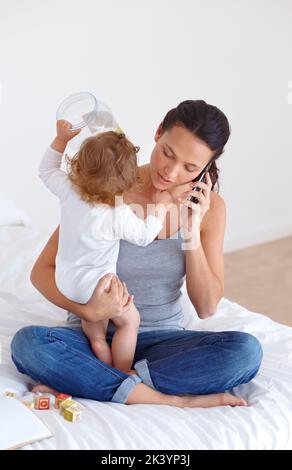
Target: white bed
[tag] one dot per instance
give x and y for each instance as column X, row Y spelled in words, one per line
column 265, row 424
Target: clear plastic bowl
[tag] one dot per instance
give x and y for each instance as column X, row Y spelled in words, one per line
column 80, row 109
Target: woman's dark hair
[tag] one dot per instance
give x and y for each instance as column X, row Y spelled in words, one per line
column 206, row 122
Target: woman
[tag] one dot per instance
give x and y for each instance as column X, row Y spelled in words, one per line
column 172, row 365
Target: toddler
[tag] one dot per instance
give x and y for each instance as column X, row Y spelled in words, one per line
column 92, row 224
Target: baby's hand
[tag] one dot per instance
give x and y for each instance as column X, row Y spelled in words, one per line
column 64, row 132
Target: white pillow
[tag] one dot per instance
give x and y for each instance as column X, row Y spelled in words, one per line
column 10, row 214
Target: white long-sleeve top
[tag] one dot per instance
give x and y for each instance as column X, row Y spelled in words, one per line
column 89, row 234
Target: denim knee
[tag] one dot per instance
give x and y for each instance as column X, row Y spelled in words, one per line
column 21, row 336
column 22, row 345
column 250, row 354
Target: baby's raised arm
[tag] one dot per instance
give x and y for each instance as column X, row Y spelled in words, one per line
column 64, row 134
column 50, row 173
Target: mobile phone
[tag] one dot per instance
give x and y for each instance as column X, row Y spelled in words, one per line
column 200, row 177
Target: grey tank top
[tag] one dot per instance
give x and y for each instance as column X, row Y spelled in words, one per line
column 154, row 275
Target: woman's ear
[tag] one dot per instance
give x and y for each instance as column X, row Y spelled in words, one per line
column 158, row 132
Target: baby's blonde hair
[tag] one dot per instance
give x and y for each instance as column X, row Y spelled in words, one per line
column 104, row 167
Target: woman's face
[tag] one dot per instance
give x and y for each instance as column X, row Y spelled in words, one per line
column 177, row 158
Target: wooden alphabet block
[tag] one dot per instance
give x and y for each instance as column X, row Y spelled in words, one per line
column 72, row 414
column 66, row 404
column 11, row 394
column 42, row 403
column 28, row 404
column 60, row 398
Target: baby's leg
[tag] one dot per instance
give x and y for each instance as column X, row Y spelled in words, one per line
column 96, row 333
column 125, row 339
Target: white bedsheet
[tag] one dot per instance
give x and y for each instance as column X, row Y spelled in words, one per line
column 265, row 424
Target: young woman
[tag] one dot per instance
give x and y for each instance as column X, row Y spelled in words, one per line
column 172, row 365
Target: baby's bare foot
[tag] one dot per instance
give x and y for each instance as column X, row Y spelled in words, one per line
column 215, row 399
column 44, row 389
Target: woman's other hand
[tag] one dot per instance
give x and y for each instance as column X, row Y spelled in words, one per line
column 112, row 302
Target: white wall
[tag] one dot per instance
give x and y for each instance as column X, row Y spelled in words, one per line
column 142, row 58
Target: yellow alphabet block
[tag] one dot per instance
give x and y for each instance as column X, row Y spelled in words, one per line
column 28, row 404
column 66, row 404
column 72, row 414
column 11, row 394
column 60, row 398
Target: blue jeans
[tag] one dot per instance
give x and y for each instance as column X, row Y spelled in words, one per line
column 171, row 361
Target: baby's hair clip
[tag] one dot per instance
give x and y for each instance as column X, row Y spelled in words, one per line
column 119, row 130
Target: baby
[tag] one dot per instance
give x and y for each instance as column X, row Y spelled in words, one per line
column 92, row 224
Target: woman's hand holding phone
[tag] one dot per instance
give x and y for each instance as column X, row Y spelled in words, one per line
column 198, row 191
column 203, row 196
column 192, row 213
